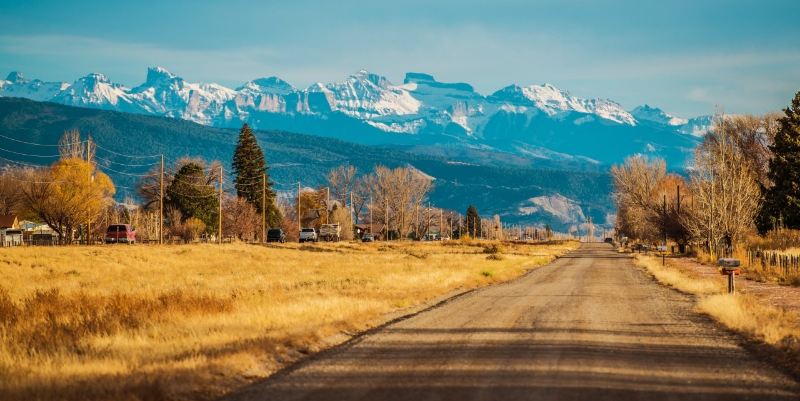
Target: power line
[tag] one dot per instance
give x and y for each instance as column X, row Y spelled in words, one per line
column 31, row 143
column 122, row 154
column 127, row 165
column 132, row 175
column 25, row 154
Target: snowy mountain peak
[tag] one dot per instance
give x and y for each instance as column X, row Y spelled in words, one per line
column 16, row 77
column 156, row 74
column 420, row 104
column 377, row 80
column 652, row 114
column 95, row 78
column 554, row 101
column 271, row 85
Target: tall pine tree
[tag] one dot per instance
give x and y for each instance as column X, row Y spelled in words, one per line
column 782, row 200
column 249, row 169
column 473, row 222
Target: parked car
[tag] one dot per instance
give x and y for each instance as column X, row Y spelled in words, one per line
column 120, row 233
column 609, row 240
column 368, row 237
column 308, row 234
column 276, row 235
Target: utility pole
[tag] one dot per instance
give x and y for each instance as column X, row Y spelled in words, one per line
column 220, row 205
column 711, row 220
column 89, row 170
column 370, row 216
column 665, row 219
column 298, row 208
column 161, row 204
column 386, row 201
column 428, row 226
column 328, row 207
column 440, row 222
column 264, row 209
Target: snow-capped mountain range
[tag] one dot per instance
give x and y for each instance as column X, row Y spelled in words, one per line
column 533, row 121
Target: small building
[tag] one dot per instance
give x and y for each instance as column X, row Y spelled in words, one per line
column 10, row 234
column 379, row 230
column 8, row 221
column 12, row 237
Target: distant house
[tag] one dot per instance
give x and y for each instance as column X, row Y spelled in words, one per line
column 8, row 221
column 379, row 229
column 9, row 228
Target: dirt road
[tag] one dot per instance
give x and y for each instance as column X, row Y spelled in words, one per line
column 588, row 326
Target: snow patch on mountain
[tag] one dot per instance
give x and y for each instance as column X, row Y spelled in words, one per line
column 564, row 209
column 554, row 101
column 647, row 113
column 697, row 126
column 364, row 95
column 419, row 172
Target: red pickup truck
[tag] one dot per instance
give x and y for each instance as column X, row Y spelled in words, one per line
column 117, row 233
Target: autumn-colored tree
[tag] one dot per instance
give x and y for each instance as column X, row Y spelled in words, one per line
column 67, row 194
column 313, row 211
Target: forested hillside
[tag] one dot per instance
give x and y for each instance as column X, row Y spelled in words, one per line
column 294, row 158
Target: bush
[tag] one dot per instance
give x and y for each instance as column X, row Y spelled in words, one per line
column 496, row 256
column 494, row 248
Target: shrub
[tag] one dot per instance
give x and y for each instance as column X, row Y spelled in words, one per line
column 495, row 256
column 494, row 248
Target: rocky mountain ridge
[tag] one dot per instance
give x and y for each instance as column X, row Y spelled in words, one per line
column 538, row 121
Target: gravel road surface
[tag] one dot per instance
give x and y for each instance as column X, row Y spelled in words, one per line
column 588, row 326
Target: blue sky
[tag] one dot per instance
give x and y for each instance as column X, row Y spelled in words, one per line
column 681, row 56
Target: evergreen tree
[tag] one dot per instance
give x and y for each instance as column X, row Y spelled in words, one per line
column 249, row 170
column 190, row 193
column 782, row 200
column 473, row 222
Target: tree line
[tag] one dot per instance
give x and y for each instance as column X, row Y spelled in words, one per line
column 743, row 178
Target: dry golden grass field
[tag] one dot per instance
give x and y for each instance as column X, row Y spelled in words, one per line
column 194, row 321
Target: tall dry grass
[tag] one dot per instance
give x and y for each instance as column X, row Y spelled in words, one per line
column 743, row 313
column 193, row 321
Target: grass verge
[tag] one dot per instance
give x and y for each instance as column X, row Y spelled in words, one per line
column 743, row 313
column 194, row 321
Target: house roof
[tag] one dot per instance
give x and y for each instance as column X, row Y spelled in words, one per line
column 8, row 221
column 365, row 227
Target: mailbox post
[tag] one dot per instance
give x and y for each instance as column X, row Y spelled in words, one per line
column 663, row 250
column 729, row 267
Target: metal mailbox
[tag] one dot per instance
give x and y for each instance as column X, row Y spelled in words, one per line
column 730, row 268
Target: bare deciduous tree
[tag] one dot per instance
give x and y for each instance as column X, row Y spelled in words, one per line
column 11, row 196
column 241, row 218
column 724, row 186
column 397, row 193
